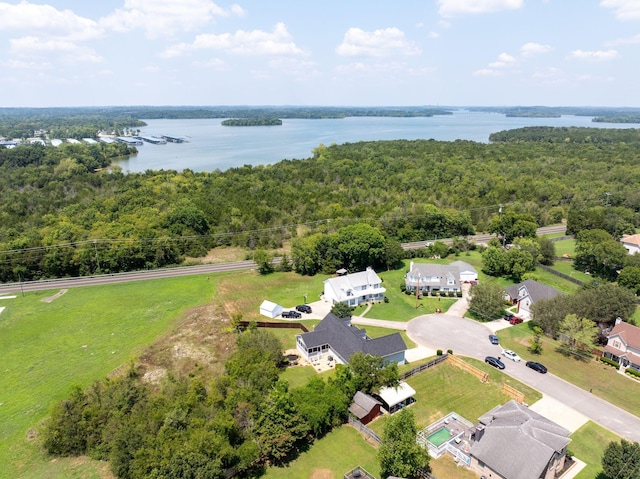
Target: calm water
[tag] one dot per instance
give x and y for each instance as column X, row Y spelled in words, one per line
column 213, row 146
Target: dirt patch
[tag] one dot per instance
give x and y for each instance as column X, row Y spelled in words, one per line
column 220, row 255
column 54, row 297
column 321, row 474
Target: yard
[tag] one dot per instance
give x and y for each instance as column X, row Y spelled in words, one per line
column 591, row 375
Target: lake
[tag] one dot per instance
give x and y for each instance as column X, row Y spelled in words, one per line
column 212, row 146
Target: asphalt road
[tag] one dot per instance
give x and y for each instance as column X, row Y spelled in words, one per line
column 470, row 338
column 189, row 270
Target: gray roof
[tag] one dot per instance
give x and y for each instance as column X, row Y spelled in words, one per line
column 346, row 339
column 537, row 291
column 362, row 404
column 510, row 431
column 463, row 266
column 440, row 272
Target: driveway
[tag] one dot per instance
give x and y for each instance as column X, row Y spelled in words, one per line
column 470, row 338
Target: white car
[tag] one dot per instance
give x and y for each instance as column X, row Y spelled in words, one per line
column 511, row 355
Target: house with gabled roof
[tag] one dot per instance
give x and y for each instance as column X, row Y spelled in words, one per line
column 514, row 442
column 623, row 345
column 525, row 295
column 338, row 338
column 366, row 408
column 432, row 277
column 355, row 288
column 631, row 243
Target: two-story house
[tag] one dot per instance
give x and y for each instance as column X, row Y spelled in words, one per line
column 433, row 277
column 355, row 288
column 527, row 293
column 623, row 345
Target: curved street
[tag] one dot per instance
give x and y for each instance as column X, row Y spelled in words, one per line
column 470, row 338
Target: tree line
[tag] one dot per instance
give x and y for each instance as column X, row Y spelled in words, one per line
column 61, row 217
column 194, row 427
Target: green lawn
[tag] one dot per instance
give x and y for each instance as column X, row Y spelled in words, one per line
column 340, row 451
column 78, row 338
column 566, row 267
column 588, row 444
column 601, row 379
column 446, row 388
column 566, row 246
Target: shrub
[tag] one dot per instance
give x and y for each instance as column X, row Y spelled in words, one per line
column 459, row 294
column 386, row 299
column 452, row 294
column 403, row 287
column 439, row 352
column 449, row 351
column 633, row 372
column 434, row 293
column 610, row 362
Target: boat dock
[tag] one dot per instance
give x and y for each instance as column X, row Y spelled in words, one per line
column 129, row 140
column 152, row 139
column 174, row 139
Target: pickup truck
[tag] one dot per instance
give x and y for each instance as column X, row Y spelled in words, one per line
column 291, row 314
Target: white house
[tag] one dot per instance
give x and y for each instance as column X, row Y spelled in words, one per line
column 631, row 243
column 433, row 277
column 270, row 309
column 623, row 345
column 527, row 293
column 467, row 272
column 354, row 288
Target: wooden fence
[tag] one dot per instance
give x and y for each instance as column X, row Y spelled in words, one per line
column 558, row 273
column 481, row 375
column 424, row 367
column 513, row 393
column 268, row 324
column 364, row 430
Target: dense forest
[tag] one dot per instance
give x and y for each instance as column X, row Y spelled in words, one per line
column 567, row 135
column 252, row 122
column 600, row 114
column 61, row 217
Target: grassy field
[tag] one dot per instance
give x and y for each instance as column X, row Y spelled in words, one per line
column 565, row 247
column 566, row 267
column 76, row 339
column 601, row 379
column 588, row 444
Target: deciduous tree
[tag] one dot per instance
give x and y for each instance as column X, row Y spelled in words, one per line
column 399, row 454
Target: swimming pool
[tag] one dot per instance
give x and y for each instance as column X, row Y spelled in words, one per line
column 439, row 437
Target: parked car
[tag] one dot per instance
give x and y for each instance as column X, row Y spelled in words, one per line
column 304, row 308
column 515, row 320
column 494, row 339
column 291, row 314
column 495, row 362
column 536, row 366
column 507, row 353
column 508, row 316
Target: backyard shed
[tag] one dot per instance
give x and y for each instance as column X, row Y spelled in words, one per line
column 394, row 399
column 364, row 407
column 270, row 309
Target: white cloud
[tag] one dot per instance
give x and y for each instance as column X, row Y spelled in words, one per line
column 35, row 46
column 150, row 69
column 452, row 8
column 625, row 41
column 212, row 64
column 434, row 35
column 379, row 43
column 28, row 65
column 594, row 55
column 165, row 17
column 531, row 48
column 623, row 9
column 487, row 72
column 255, row 42
column 45, row 20
column 504, row 60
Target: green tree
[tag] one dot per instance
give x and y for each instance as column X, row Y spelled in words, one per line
column 342, row 310
column 263, row 260
column 513, row 225
column 629, row 278
column 487, row 301
column 370, row 373
column 393, row 253
column 518, row 262
column 548, row 313
column 399, row 454
column 621, row 460
column 535, row 342
column 547, row 249
column 578, row 335
column 603, row 303
column 494, row 261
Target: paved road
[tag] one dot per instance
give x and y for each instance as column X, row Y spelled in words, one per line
column 470, row 338
column 189, row 270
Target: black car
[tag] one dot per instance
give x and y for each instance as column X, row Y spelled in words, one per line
column 536, row 366
column 494, row 339
column 495, row 362
column 508, row 316
column 291, row 314
column 304, row 308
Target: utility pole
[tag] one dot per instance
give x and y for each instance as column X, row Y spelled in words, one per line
column 607, row 201
column 95, row 248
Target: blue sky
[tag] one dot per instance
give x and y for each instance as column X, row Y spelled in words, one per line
column 304, row 52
